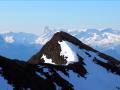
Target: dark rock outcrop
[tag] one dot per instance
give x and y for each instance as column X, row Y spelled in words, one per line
column 23, row 76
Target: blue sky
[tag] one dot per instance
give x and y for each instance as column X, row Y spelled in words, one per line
column 33, row 16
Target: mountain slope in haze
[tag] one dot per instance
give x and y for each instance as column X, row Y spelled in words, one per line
column 18, row 51
column 19, row 37
column 18, row 45
column 63, row 63
column 1, row 40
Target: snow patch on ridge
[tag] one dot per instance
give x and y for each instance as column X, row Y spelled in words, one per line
column 68, row 52
column 47, row 60
column 97, row 78
column 71, row 51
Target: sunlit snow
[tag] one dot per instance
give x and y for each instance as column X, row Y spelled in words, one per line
column 68, row 52
column 46, row 59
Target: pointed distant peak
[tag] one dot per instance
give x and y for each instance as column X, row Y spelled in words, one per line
column 48, row 29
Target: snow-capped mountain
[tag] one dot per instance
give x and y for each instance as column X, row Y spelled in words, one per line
column 19, row 37
column 46, row 35
column 63, row 63
column 97, row 38
column 103, row 40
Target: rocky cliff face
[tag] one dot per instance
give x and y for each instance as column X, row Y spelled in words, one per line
column 64, row 63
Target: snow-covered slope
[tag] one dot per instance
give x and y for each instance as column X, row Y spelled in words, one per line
column 96, row 74
column 89, row 68
column 63, row 63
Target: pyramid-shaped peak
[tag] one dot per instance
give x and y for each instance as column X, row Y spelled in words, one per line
column 63, row 48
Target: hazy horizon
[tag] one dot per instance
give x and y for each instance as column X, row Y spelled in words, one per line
column 32, row 16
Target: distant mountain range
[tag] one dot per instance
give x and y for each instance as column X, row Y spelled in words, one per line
column 104, row 40
column 63, row 63
column 18, row 45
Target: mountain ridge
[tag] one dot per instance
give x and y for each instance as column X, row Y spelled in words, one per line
column 100, row 39
column 63, row 63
